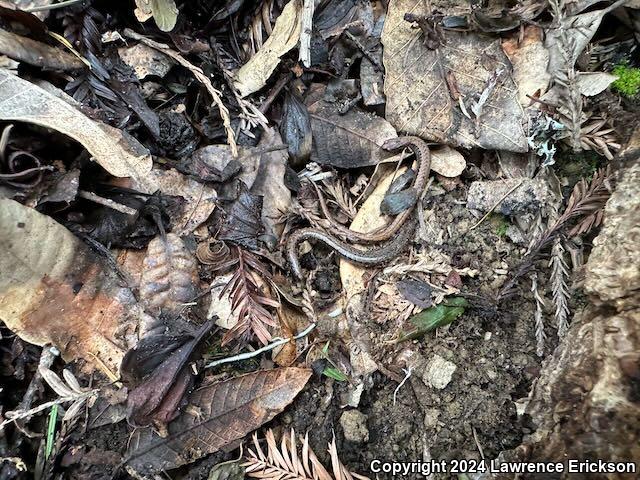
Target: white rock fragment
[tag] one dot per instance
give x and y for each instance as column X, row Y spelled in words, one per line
column 439, row 372
column 145, row 60
column 220, row 306
column 354, row 426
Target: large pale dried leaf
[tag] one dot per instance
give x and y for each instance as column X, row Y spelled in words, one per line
column 218, row 416
column 418, row 99
column 348, row 141
column 169, row 275
column 579, row 31
column 285, row 35
column 200, row 198
column 52, row 290
column 117, row 152
column 530, row 59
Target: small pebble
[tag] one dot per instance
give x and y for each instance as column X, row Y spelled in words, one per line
column 439, row 372
column 354, row 426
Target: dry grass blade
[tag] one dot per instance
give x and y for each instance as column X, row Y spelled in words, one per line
column 287, row 463
column 260, row 23
column 200, row 76
column 248, row 300
column 559, row 273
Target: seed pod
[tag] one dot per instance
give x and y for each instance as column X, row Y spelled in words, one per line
column 296, row 130
column 169, row 275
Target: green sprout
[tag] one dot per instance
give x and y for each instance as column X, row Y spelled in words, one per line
column 51, row 430
column 628, row 82
column 332, row 371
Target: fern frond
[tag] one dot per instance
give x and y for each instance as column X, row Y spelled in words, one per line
column 586, row 203
column 288, row 462
column 248, row 299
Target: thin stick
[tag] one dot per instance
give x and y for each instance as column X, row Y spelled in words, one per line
column 107, row 202
column 305, row 33
column 511, row 190
column 46, row 405
column 200, row 76
column 276, row 343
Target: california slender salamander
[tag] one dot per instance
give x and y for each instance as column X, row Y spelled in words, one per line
column 423, row 157
column 374, row 256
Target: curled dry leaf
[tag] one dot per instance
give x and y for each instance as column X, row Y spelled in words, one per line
column 157, row 370
column 218, row 416
column 37, row 53
column 117, row 152
column 53, row 290
column 351, row 140
column 213, row 252
column 285, row 36
column 295, row 128
column 169, row 275
column 271, row 185
column 243, row 224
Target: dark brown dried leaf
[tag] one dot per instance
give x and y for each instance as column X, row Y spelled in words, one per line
column 218, row 416
column 157, row 398
column 295, row 129
column 351, row 140
column 243, row 223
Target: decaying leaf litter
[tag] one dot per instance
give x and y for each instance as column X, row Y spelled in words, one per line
column 370, row 221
